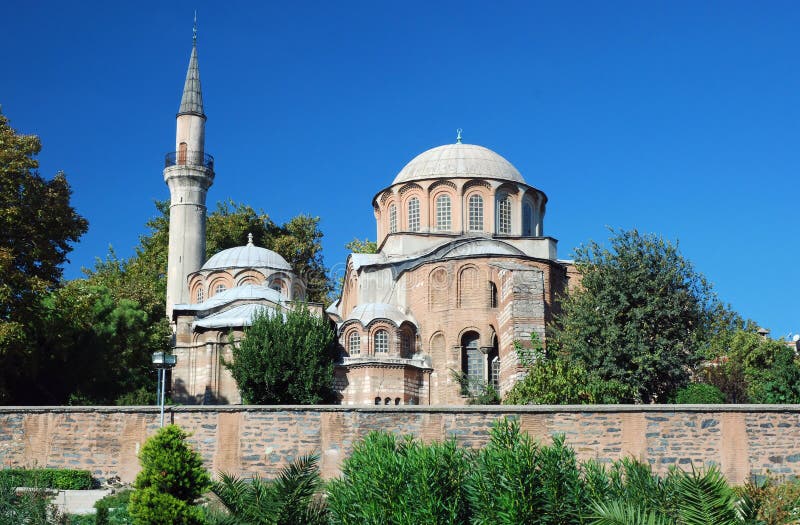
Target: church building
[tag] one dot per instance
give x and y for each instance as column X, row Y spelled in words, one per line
column 463, row 270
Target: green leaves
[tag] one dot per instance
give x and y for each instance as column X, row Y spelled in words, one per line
column 285, row 360
column 171, row 479
column 640, row 317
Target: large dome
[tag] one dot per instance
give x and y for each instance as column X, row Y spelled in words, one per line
column 458, row 160
column 249, row 256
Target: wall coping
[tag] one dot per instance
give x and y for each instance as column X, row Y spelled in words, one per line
column 436, row 409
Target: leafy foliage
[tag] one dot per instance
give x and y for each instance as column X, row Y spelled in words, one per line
column 699, row 393
column 31, row 507
column 37, row 228
column 388, row 480
column 171, row 479
column 770, row 502
column 517, row 481
column 359, row 246
column 552, row 379
column 290, row 499
column 285, row 360
column 45, row 478
column 641, row 316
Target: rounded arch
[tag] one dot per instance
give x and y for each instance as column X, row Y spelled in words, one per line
column 412, row 212
column 439, row 283
column 442, row 214
column 219, row 284
column 472, row 360
column 353, row 341
column 470, row 287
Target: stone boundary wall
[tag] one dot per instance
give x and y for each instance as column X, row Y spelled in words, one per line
column 248, row 440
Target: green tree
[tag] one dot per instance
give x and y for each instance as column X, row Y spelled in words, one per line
column 359, row 246
column 641, row 317
column 171, row 480
column 551, row 379
column 37, row 229
column 285, row 359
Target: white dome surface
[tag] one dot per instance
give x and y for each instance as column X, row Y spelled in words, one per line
column 246, row 257
column 458, row 160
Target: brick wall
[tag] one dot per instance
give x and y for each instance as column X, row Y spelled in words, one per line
column 742, row 439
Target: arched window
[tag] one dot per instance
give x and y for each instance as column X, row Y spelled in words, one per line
column 443, row 213
column 504, row 215
column 380, row 342
column 378, row 400
column 472, row 361
column 476, row 213
column 527, row 220
column 182, row 153
column 200, row 295
column 277, row 285
column 413, row 214
column 492, row 295
column 354, row 343
column 220, row 288
column 405, row 344
column 392, row 218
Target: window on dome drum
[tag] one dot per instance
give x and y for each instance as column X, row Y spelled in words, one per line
column 277, row 285
column 443, row 213
column 381, row 342
column 220, row 288
column 476, row 213
column 413, row 214
column 472, row 361
column 200, row 295
column 392, row 218
column 378, row 400
column 527, row 220
column 354, row 343
column 504, row 215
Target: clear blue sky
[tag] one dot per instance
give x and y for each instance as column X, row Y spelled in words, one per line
column 679, row 118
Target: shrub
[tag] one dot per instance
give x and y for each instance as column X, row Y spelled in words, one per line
column 291, row 498
column 171, row 479
column 699, row 394
column 514, row 480
column 60, row 479
column 401, row 481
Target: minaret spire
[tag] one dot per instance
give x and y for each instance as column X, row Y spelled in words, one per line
column 192, row 99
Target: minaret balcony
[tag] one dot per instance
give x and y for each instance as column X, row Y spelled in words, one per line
column 189, row 158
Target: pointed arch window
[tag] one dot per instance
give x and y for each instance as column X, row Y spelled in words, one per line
column 381, row 342
column 354, row 344
column 413, row 214
column 443, row 221
column 475, row 213
column 504, row 215
column 392, row 218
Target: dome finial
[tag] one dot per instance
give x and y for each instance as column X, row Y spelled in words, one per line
column 249, row 239
column 194, row 29
column 458, row 136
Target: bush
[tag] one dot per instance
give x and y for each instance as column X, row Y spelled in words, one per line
column 699, row 394
column 401, row 481
column 172, row 478
column 514, row 480
column 59, row 479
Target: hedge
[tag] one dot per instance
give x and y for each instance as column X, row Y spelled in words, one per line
column 48, row 478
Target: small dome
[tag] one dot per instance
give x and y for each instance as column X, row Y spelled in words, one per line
column 458, row 160
column 249, row 256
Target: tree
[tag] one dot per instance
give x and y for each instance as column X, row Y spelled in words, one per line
column 359, row 246
column 285, row 359
column 171, row 479
column 552, row 379
column 37, row 228
column 641, row 317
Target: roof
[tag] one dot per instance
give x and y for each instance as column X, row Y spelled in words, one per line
column 458, row 160
column 367, row 312
column 247, row 292
column 249, row 256
column 192, row 99
column 238, row 316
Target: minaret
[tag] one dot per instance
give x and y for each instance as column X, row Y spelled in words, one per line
column 188, row 172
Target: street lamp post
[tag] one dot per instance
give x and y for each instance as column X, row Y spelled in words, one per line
column 163, row 362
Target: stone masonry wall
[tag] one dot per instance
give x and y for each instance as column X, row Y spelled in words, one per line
column 247, row 440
